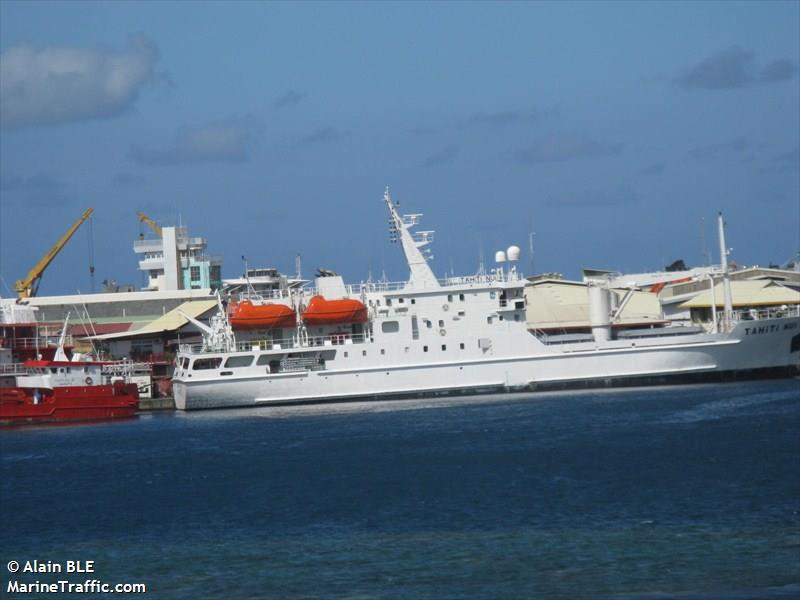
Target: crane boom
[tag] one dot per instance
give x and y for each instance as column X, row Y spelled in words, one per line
column 26, row 288
column 149, row 222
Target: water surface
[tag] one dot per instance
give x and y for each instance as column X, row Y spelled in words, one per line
column 675, row 492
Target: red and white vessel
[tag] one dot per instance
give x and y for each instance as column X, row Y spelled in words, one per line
column 55, row 388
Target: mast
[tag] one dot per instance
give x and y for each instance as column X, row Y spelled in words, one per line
column 726, row 278
column 60, row 353
column 421, row 275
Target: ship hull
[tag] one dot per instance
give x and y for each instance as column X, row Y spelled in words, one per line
column 747, row 352
column 72, row 403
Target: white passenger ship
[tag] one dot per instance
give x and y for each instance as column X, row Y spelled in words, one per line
column 426, row 337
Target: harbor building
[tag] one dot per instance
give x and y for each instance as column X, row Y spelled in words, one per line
column 176, row 261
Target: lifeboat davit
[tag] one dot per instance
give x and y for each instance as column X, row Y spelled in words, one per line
column 330, row 312
column 246, row 315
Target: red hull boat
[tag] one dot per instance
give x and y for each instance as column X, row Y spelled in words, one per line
column 82, row 403
column 39, row 383
column 40, row 391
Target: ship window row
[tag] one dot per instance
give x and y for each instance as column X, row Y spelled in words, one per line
column 204, row 364
column 461, row 346
column 450, row 297
column 399, row 301
column 490, row 319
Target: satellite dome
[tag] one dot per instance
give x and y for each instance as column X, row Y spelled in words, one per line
column 513, row 253
column 499, row 256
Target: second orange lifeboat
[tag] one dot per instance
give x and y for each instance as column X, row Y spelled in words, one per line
column 330, row 312
column 246, row 315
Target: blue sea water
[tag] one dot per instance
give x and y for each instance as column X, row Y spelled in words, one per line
column 676, row 492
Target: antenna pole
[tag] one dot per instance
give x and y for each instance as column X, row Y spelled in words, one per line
column 726, row 278
column 530, row 250
column 481, row 263
column 91, row 253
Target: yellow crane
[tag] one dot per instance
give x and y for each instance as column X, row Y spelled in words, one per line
column 27, row 288
column 149, row 222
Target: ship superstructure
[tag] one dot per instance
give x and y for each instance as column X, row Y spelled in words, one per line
column 470, row 334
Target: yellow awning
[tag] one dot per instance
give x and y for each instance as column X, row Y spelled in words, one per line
column 757, row 292
column 171, row 321
column 564, row 304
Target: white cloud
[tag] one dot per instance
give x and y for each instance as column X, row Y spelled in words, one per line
column 58, row 85
column 734, row 68
column 223, row 141
column 566, row 147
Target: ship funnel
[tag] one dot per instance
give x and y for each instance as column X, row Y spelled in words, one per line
column 499, row 256
column 599, row 310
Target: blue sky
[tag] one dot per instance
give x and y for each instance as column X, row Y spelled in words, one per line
column 618, row 129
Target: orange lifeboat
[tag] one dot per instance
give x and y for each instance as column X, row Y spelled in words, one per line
column 330, row 312
column 246, row 315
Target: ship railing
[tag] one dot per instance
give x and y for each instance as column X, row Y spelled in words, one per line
column 263, row 296
column 481, row 279
column 772, row 312
column 394, row 286
column 32, row 343
column 325, row 341
column 126, row 368
column 356, row 289
column 147, row 245
column 12, row 369
column 365, row 287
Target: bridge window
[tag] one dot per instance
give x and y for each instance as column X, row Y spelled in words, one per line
column 204, row 364
column 239, row 361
